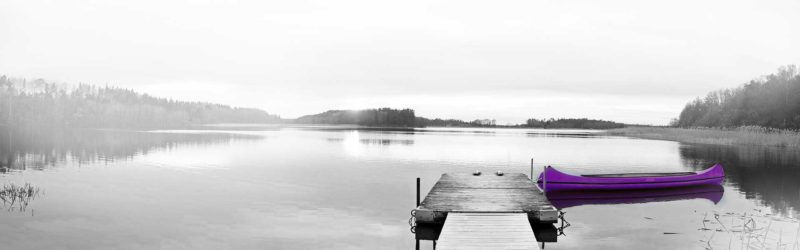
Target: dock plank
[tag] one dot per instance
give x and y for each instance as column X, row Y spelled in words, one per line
column 487, row 231
column 512, row 192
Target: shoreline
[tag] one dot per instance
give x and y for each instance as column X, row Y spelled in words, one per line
column 748, row 135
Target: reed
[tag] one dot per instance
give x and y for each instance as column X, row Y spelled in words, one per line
column 17, row 197
column 746, row 135
column 746, row 229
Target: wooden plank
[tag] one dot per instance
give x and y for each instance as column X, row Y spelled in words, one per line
column 512, row 192
column 483, row 200
column 487, row 231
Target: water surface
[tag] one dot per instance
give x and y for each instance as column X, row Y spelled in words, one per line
column 345, row 188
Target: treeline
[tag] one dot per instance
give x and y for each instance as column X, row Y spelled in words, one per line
column 26, row 103
column 38, row 103
column 437, row 122
column 771, row 101
column 582, row 123
column 387, row 117
column 368, row 117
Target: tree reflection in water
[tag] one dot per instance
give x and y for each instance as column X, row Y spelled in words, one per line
column 38, row 149
column 766, row 174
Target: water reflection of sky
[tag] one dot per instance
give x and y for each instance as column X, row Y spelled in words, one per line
column 305, row 188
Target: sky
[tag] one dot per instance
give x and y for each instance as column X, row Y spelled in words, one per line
column 627, row 61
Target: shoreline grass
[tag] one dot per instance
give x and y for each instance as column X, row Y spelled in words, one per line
column 747, row 135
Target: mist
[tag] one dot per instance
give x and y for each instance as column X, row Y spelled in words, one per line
column 626, row 61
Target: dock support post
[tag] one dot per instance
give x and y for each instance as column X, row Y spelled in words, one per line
column 417, row 191
column 531, row 168
column 544, row 181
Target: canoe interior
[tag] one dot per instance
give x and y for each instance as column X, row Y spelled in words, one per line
column 626, row 175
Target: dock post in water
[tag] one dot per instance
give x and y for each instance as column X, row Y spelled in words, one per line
column 531, row 176
column 544, row 181
column 418, row 191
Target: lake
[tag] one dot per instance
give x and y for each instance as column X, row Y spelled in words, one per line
column 273, row 187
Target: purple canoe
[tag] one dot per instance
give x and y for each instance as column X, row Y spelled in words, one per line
column 554, row 180
column 571, row 198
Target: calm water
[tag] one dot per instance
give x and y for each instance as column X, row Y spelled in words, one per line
column 337, row 188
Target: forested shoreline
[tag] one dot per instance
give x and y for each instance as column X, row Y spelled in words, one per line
column 38, row 103
column 771, row 101
column 764, row 112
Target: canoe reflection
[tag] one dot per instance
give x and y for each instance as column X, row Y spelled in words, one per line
column 565, row 199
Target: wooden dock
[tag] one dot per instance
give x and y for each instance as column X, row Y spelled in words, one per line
column 487, row 231
column 485, row 211
column 486, row 193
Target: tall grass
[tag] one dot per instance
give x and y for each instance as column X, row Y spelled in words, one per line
column 746, row 135
column 16, row 196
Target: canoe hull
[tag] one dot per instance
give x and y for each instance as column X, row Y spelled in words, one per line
column 553, row 180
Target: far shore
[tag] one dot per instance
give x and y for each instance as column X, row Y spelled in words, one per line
column 356, row 126
column 748, row 135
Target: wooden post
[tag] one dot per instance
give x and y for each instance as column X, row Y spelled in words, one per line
column 418, row 191
column 544, row 180
column 531, row 168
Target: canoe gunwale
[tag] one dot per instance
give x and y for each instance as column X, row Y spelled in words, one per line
column 642, row 182
column 633, row 175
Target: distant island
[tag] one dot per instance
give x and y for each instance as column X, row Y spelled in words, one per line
column 383, row 117
column 582, row 123
column 387, row 117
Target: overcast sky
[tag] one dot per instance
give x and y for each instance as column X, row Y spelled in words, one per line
column 629, row 61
